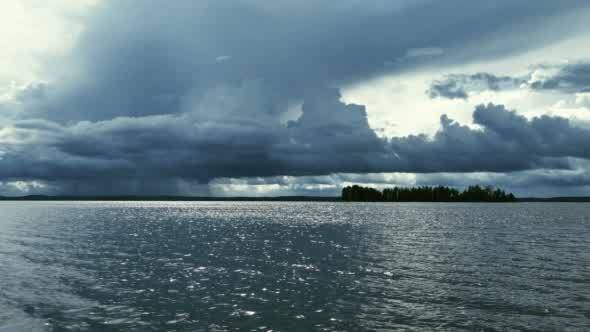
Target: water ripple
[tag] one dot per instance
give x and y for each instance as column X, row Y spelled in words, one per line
column 218, row 266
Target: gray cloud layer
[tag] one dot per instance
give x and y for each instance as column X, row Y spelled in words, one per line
column 507, row 142
column 457, row 86
column 566, row 78
column 143, row 57
column 541, row 182
column 161, row 147
column 157, row 94
column 570, row 78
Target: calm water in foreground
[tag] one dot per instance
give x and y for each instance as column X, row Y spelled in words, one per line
column 210, row 266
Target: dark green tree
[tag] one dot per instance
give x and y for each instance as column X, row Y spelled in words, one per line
column 473, row 193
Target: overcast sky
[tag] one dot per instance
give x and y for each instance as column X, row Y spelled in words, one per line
column 282, row 97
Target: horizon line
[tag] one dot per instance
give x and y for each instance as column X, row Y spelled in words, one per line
column 238, row 198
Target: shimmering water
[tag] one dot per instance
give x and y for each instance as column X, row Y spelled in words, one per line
column 211, row 266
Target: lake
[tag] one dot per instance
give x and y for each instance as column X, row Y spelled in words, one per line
column 282, row 266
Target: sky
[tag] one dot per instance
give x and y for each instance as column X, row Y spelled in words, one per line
column 283, row 97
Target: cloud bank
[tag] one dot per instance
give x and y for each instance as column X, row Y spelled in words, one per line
column 182, row 146
column 165, row 97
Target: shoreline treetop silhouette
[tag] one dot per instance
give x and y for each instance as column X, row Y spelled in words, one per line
column 475, row 193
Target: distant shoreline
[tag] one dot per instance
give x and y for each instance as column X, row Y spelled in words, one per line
column 132, row 198
column 572, row 199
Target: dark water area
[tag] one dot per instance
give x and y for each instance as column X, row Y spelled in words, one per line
column 261, row 266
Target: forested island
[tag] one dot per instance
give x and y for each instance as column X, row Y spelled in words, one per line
column 474, row 193
column 374, row 198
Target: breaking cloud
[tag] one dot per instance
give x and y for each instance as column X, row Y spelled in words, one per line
column 459, row 86
column 570, row 78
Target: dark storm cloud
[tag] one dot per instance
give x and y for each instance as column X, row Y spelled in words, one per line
column 565, row 78
column 507, row 142
column 156, row 94
column 180, row 146
column 329, row 134
column 339, row 132
column 140, row 58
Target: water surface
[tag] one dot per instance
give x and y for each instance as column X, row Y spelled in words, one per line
column 261, row 266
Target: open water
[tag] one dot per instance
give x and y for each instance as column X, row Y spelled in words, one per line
column 261, row 266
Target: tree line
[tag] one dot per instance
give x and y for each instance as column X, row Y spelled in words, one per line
column 474, row 193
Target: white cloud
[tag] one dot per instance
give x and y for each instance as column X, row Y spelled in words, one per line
column 327, row 185
column 583, row 99
column 399, row 105
column 32, row 30
column 20, row 188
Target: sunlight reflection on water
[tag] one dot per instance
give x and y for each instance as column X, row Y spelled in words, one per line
column 293, row 266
